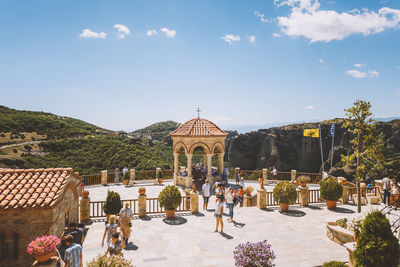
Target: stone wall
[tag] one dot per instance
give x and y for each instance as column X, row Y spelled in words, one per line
column 65, row 212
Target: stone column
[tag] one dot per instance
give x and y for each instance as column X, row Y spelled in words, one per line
column 176, row 167
column 261, row 198
column 304, row 196
column 142, row 205
column 345, row 196
column 265, row 174
column 132, row 177
column 85, row 209
column 194, row 202
column 221, row 162
column 209, row 157
column 104, row 177
column 189, row 163
column 293, row 175
column 158, row 170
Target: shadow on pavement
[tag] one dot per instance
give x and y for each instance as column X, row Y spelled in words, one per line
column 342, row 210
column 293, row 213
column 238, row 225
column 175, row 221
column 199, row 214
column 226, row 235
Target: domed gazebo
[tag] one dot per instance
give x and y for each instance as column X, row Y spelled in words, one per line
column 195, row 133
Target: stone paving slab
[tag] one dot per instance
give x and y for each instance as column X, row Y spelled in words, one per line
column 297, row 237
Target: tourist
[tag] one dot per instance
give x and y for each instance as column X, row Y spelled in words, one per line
column 274, row 173
column 110, row 230
column 325, row 175
column 76, row 232
column 219, row 210
column 73, row 254
column 219, row 192
column 237, row 176
column 394, row 196
column 115, row 247
column 116, row 177
column 215, row 186
column 240, row 194
column 241, row 182
column 230, row 194
column 386, row 182
column 224, row 179
column 124, row 170
column 184, row 173
column 125, row 216
column 205, row 192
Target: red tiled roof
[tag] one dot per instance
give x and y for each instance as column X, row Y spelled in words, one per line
column 32, row 188
column 198, row 127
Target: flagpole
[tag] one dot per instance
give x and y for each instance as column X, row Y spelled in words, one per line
column 333, row 141
column 320, row 143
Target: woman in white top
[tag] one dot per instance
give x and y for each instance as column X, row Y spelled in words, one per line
column 229, row 202
column 125, row 216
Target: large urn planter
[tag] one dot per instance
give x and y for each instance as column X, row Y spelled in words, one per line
column 331, row 204
column 85, row 194
column 284, row 207
column 126, row 182
column 43, row 258
column 142, row 191
column 170, row 214
column 303, row 180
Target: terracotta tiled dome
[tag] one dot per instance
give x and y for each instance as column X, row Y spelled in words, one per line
column 198, row 127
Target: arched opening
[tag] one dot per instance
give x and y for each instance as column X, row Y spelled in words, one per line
column 199, row 170
column 182, row 161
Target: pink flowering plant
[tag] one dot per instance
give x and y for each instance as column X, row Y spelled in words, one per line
column 43, row 245
column 254, row 254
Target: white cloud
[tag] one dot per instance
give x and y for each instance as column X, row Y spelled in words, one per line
column 252, row 39
column 169, row 33
column 87, row 33
column 229, row 38
column 361, row 74
column 359, row 65
column 276, row 35
column 123, row 31
column 262, row 17
column 321, row 60
column 309, row 107
column 308, row 20
column 151, row 32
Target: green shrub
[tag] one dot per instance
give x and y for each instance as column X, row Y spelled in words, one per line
column 160, row 175
column 376, row 246
column 285, row 192
column 113, row 203
column 111, row 261
column 126, row 176
column 303, row 179
column 170, row 197
column 331, row 189
column 334, row 264
column 342, row 223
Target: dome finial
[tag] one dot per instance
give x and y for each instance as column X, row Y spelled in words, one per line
column 198, row 112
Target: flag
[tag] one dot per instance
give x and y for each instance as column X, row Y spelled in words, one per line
column 332, row 130
column 311, row 133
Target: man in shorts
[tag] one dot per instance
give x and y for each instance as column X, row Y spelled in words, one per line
column 205, row 191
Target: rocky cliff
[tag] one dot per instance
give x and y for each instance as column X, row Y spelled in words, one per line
column 287, row 148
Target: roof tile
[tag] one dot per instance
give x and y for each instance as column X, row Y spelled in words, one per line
column 198, row 127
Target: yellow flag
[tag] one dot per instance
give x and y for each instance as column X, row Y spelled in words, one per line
column 311, row 133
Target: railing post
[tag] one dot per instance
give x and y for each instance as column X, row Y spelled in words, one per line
column 304, row 196
column 265, row 174
column 261, row 198
column 194, row 202
column 85, row 207
column 132, row 180
column 104, row 177
column 157, row 172
column 142, row 203
column 293, row 175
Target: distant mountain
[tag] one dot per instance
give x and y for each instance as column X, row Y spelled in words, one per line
column 158, row 131
column 388, row 119
column 53, row 126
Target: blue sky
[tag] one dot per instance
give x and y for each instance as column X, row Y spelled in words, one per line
column 127, row 64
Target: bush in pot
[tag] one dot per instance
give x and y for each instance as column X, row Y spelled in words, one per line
column 43, row 247
column 303, row 180
column 376, row 246
column 126, row 178
column 113, row 204
column 331, row 191
column 248, row 190
column 170, row 198
column 285, row 194
column 160, row 177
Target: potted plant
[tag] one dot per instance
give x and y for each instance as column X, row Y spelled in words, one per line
column 248, row 190
column 85, row 194
column 170, row 198
column 331, row 191
column 126, row 178
column 355, row 226
column 43, row 247
column 113, row 204
column 254, row 254
column 303, row 180
column 285, row 194
column 160, row 177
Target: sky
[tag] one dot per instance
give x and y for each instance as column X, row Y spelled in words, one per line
column 123, row 65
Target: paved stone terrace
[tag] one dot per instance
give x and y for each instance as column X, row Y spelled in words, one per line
column 297, row 237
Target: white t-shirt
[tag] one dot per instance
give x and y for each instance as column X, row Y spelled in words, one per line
column 206, row 190
column 386, row 183
column 274, row 172
column 395, row 190
column 229, row 198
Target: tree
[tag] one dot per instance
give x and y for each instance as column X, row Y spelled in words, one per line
column 365, row 144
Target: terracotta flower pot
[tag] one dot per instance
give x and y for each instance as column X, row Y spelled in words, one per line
column 303, row 184
column 284, row 207
column 43, row 258
column 331, row 204
column 160, row 180
column 142, row 191
column 170, row 213
column 85, row 194
column 126, row 182
column 296, row 183
column 248, row 194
